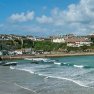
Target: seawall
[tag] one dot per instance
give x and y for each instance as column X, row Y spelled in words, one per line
column 43, row 55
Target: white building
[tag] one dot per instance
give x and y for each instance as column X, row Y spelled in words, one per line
column 58, row 40
column 31, row 38
column 18, row 52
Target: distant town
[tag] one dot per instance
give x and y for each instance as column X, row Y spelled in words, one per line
column 29, row 45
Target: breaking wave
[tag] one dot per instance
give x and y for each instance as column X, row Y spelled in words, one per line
column 55, row 62
column 73, row 65
column 80, row 73
column 54, row 77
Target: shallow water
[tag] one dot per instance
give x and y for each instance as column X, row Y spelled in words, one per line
column 66, row 75
column 77, row 69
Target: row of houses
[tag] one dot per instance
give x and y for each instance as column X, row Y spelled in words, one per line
column 12, row 37
column 16, row 52
column 23, row 51
column 73, row 41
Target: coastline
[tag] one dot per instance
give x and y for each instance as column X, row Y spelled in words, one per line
column 45, row 55
column 11, row 83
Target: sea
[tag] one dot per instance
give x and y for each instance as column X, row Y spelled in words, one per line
column 47, row 75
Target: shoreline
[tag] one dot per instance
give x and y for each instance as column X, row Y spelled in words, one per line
column 11, row 86
column 45, row 55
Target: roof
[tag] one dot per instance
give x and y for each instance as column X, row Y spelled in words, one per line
column 76, row 39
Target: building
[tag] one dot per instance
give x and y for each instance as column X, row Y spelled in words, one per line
column 18, row 52
column 77, row 41
column 58, row 40
column 31, row 38
column 72, row 40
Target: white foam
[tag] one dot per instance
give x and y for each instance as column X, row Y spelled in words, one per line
column 64, row 63
column 27, row 70
column 11, row 67
column 11, row 63
column 49, row 76
column 74, row 81
column 37, row 59
column 46, row 77
column 57, row 63
column 79, row 66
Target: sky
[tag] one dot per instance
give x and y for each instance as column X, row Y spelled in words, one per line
column 47, row 17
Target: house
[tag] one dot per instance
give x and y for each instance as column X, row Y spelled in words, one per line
column 40, row 39
column 58, row 40
column 72, row 40
column 61, row 39
column 77, row 41
column 18, row 52
column 31, row 38
column 27, row 50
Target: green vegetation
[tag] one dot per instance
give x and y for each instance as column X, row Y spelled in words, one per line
column 76, row 49
column 15, row 44
column 92, row 39
column 6, row 44
column 41, row 45
column 48, row 46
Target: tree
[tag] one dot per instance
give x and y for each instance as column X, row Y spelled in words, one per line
column 84, row 47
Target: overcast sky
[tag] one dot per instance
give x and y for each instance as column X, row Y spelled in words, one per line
column 47, row 17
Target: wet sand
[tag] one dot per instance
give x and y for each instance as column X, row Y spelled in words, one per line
column 10, row 80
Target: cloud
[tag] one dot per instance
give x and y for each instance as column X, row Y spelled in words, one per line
column 80, row 13
column 22, row 17
column 77, row 18
column 44, row 19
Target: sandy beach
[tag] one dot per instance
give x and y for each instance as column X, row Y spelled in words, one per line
column 11, row 83
column 8, row 80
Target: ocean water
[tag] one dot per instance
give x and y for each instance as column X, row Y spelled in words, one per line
column 50, row 73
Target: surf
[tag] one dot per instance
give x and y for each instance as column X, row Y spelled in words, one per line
column 54, row 77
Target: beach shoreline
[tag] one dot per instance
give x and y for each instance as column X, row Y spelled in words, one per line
column 46, row 55
column 9, row 84
column 22, row 80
